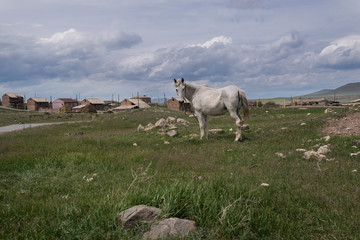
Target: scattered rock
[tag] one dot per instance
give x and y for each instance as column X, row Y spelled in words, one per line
column 74, row 134
column 170, row 120
column 166, row 142
column 284, row 128
column 303, row 124
column 137, row 214
column 140, row 128
column 22, row 191
column 354, row 154
column 354, row 170
column 172, row 133
column 172, row 126
column 200, row 178
column 326, row 138
column 323, row 149
column 149, row 127
column 194, row 135
column 308, row 114
column 245, row 127
column 216, row 131
column 300, row 150
column 160, row 123
column 328, row 110
column 280, row 155
column 182, row 121
column 313, row 154
column 265, row 184
column 135, row 144
column 170, row 226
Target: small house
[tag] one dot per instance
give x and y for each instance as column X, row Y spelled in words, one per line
column 144, row 98
column 97, row 103
column 13, row 100
column 174, row 104
column 131, row 103
column 36, row 104
column 67, row 102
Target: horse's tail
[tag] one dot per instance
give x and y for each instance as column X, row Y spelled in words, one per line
column 244, row 103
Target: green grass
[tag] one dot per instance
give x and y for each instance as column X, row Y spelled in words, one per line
column 46, row 192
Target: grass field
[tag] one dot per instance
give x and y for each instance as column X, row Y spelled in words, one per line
column 55, row 185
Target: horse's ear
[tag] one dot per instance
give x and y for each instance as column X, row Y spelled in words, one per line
column 182, row 80
column 174, row 80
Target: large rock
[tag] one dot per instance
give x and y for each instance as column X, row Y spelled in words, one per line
column 170, row 226
column 137, row 214
column 160, row 123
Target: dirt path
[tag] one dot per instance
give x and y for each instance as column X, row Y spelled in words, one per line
column 346, row 126
column 17, row 127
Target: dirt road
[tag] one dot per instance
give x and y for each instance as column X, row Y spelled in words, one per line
column 17, row 127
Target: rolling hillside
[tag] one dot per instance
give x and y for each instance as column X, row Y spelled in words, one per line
column 345, row 90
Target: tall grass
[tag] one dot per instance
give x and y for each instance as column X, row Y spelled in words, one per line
column 55, row 185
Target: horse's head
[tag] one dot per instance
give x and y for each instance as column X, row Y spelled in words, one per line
column 180, row 89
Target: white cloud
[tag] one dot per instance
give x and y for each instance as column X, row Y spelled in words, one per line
column 216, row 40
column 343, row 53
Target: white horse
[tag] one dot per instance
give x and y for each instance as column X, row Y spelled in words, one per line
column 208, row 101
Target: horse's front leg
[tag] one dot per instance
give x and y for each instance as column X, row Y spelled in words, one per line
column 201, row 119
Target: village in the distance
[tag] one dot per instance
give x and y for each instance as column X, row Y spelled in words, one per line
column 348, row 94
column 87, row 105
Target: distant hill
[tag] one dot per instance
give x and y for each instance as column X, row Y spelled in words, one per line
column 345, row 90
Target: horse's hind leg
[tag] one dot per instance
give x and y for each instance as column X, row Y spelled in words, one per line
column 239, row 122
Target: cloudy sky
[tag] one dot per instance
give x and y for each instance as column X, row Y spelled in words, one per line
column 108, row 48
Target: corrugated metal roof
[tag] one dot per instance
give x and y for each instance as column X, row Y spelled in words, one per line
column 127, row 107
column 139, row 102
column 66, row 100
column 94, row 101
column 39, row 99
column 80, row 106
column 14, row 95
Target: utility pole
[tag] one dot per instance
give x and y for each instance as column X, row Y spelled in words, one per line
column 138, row 99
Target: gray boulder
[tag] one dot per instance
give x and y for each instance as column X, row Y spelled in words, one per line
column 170, row 226
column 137, row 214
